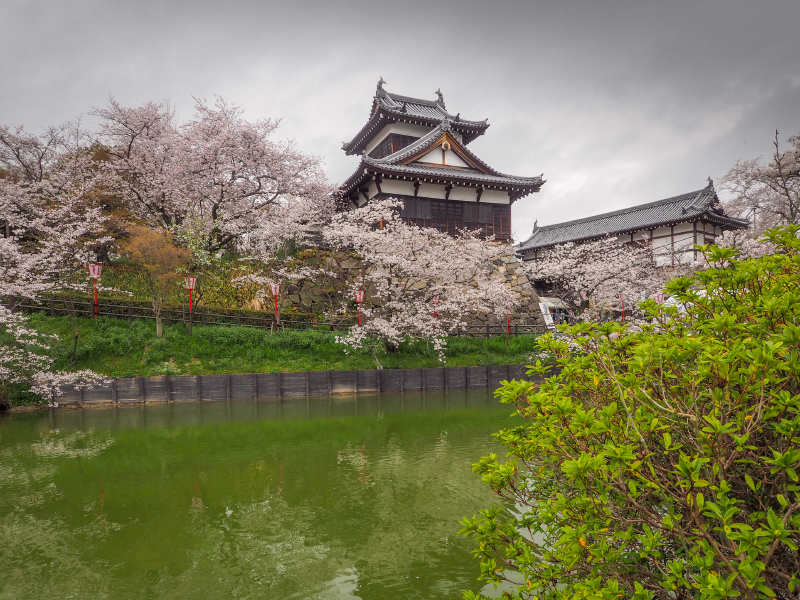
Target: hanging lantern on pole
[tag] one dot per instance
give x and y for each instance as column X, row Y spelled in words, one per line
column 189, row 283
column 275, row 289
column 359, row 300
column 95, row 271
column 435, row 301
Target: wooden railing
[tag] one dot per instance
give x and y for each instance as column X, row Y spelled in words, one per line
column 255, row 319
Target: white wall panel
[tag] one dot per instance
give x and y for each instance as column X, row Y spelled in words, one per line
column 393, row 186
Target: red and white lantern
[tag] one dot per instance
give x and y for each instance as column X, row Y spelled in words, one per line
column 95, row 271
column 189, row 283
column 359, row 299
column 275, row 289
column 435, row 301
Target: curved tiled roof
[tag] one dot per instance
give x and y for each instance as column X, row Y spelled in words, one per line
column 457, row 174
column 391, row 165
column 686, row 207
column 387, row 107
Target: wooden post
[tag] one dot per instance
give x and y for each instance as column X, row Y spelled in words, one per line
column 166, row 317
column 130, row 314
column 203, row 316
column 487, row 331
column 141, row 388
column 255, row 386
column 114, row 398
column 228, row 387
column 169, row 387
column 52, row 308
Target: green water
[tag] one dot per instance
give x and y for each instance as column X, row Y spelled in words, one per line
column 338, row 497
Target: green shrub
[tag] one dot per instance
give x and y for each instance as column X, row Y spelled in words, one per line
column 660, row 463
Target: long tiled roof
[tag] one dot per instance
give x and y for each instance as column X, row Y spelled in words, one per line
column 686, row 207
column 388, row 107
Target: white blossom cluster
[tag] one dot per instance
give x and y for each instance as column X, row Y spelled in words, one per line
column 406, row 268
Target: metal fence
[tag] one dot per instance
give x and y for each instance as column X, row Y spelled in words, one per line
column 255, row 319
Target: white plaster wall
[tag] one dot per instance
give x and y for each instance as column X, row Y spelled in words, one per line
column 495, row 197
column 683, row 227
column 433, row 157
column 399, row 128
column 432, row 190
column 661, row 231
column 464, row 193
column 393, row 186
column 373, row 189
column 452, row 159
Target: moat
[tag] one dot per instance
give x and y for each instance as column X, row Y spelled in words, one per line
column 325, row 497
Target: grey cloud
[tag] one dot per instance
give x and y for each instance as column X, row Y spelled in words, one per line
column 617, row 102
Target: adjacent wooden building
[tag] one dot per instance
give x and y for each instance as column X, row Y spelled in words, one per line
column 416, row 151
column 673, row 225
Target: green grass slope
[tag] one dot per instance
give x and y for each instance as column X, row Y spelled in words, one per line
column 116, row 348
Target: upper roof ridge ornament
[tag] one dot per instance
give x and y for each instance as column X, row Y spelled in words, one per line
column 710, row 182
column 440, row 99
column 380, row 83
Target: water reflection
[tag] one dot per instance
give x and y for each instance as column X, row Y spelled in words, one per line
column 332, row 497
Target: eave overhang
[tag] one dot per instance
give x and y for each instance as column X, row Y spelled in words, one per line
column 517, row 187
column 382, row 115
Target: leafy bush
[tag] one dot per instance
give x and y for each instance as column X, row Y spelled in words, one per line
column 662, row 462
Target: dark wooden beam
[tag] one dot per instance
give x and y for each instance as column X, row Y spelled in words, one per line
column 416, row 188
column 378, row 183
column 364, row 193
column 480, row 193
column 447, row 191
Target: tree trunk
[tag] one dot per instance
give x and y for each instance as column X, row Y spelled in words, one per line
column 157, row 311
column 375, row 358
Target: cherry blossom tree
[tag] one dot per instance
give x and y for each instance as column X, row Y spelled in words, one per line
column 405, row 267
column 50, row 232
column 767, row 192
column 215, row 178
column 599, row 275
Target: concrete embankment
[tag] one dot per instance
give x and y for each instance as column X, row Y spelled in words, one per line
column 191, row 388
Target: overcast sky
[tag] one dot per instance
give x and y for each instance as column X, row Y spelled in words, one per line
column 617, row 102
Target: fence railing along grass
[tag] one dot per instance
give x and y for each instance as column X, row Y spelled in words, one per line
column 255, row 319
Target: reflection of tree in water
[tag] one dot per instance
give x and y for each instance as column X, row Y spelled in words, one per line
column 359, row 516
column 42, row 555
column 264, row 549
column 197, row 501
column 407, row 521
column 78, row 444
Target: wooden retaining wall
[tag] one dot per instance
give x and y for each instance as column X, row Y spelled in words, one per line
column 191, row 388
